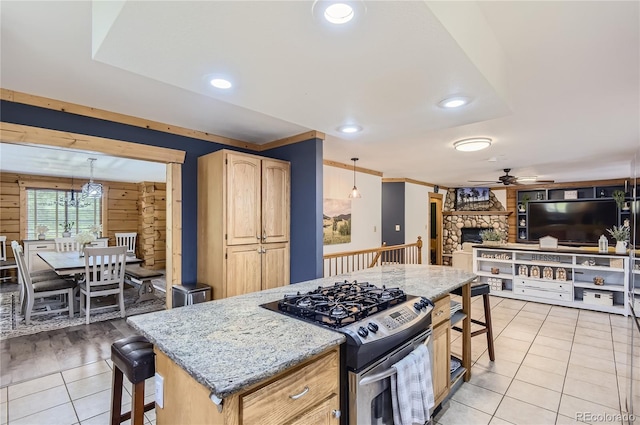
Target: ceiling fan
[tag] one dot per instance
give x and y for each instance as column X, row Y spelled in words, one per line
column 507, row 179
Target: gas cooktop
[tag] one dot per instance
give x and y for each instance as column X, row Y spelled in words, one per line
column 374, row 320
column 341, row 304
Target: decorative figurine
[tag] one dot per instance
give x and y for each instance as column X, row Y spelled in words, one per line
column 535, row 271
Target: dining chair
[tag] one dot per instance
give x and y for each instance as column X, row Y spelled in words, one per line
column 55, row 295
column 128, row 240
column 4, row 263
column 66, row 244
column 104, row 275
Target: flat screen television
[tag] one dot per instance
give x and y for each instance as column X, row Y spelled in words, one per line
column 579, row 222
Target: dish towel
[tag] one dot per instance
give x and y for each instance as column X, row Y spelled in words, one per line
column 412, row 388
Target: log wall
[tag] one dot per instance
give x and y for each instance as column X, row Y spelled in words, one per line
column 123, row 209
column 152, row 224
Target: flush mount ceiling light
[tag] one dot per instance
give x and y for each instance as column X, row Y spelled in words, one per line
column 91, row 189
column 355, row 193
column 338, row 13
column 473, row 144
column 220, row 83
column 350, row 129
column 454, row 102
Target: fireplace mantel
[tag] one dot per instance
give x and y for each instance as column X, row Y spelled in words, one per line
column 476, row 213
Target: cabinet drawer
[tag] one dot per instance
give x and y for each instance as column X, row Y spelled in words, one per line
column 560, row 286
column 321, row 414
column 292, row 394
column 441, row 311
column 551, row 295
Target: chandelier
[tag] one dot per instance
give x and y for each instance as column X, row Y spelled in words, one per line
column 91, row 189
column 70, row 199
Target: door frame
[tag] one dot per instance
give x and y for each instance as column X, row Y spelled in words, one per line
column 438, row 199
column 173, row 158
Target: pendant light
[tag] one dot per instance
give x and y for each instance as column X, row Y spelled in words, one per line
column 91, row 189
column 355, row 193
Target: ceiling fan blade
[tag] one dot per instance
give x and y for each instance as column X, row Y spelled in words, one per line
column 483, row 181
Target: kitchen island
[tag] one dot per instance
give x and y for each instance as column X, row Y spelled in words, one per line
column 227, row 348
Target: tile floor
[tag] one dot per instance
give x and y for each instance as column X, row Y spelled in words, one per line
column 551, row 364
column 554, row 365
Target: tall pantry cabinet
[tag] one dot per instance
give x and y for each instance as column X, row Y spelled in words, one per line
column 243, row 222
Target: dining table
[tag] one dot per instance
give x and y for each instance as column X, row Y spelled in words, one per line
column 70, row 263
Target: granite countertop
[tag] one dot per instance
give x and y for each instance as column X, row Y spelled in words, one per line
column 230, row 344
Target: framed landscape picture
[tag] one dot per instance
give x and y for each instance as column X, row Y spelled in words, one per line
column 472, row 198
column 336, row 221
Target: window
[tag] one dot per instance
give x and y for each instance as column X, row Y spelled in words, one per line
column 54, row 208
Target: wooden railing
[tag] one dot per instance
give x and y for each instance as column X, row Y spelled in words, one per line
column 345, row 262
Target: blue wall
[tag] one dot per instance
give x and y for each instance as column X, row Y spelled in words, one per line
column 392, row 213
column 304, row 159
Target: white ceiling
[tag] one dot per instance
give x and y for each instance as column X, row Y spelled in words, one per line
column 554, row 84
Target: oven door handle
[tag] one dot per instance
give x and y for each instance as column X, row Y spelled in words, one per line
column 387, row 373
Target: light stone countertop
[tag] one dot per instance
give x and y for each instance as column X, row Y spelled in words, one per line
column 230, row 344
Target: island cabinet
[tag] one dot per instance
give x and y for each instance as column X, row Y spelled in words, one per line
column 243, row 222
column 308, row 393
column 441, row 349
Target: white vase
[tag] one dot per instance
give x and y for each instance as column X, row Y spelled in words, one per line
column 621, row 247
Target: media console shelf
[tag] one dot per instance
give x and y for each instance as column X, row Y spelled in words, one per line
column 572, row 277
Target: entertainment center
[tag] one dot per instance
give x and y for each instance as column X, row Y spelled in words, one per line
column 571, row 277
column 573, row 215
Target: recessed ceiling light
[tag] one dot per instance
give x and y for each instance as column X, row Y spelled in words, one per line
column 473, row 144
column 350, row 129
column 454, row 102
column 339, row 13
column 220, row 83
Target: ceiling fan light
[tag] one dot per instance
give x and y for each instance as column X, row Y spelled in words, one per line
column 473, row 144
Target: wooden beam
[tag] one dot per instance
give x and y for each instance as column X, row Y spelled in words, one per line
column 313, row 134
column 350, row 167
column 26, row 135
column 413, row 181
column 72, row 108
column 173, row 274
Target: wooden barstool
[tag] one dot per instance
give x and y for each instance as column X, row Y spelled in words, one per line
column 134, row 357
column 481, row 289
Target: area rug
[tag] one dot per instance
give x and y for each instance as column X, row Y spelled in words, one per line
column 12, row 322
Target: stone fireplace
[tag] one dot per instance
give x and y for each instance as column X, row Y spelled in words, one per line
column 458, row 226
column 470, row 234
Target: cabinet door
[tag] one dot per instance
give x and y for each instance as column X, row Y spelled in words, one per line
column 441, row 361
column 243, row 270
column 275, row 265
column 321, row 414
column 35, row 263
column 275, row 201
column 243, row 199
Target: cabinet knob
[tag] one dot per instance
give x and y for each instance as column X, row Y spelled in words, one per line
column 264, row 235
column 336, row 414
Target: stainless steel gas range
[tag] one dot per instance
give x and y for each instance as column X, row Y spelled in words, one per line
column 381, row 326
